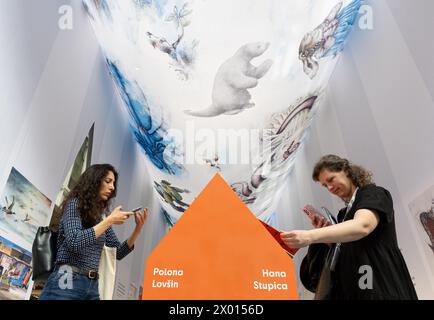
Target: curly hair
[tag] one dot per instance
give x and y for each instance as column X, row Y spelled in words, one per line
column 358, row 175
column 87, row 190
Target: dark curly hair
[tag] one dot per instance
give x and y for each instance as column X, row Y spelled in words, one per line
column 87, row 190
column 359, row 176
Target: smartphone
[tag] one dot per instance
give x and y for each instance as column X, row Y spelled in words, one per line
column 311, row 211
column 330, row 216
column 136, row 209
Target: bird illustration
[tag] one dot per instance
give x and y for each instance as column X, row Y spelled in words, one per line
column 8, row 207
column 162, row 44
column 27, row 218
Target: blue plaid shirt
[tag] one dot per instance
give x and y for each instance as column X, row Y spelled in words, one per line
column 80, row 247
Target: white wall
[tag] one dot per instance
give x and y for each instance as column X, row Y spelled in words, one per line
column 380, row 114
column 54, row 86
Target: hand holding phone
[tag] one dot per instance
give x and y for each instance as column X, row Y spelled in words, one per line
column 318, row 220
column 117, row 216
column 141, row 217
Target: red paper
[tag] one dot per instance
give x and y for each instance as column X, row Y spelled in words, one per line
column 276, row 235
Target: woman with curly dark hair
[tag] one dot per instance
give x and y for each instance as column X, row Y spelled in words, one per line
column 83, row 231
column 357, row 258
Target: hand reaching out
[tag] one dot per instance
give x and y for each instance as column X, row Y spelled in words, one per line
column 296, row 238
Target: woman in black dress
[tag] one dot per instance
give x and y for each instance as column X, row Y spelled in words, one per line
column 368, row 263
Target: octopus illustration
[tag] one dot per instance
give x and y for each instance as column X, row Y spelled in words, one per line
column 244, row 191
column 286, row 131
column 329, row 37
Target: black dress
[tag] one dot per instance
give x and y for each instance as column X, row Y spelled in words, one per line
column 378, row 252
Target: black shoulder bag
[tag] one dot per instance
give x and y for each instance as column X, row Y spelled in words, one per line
column 315, row 271
column 44, row 252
